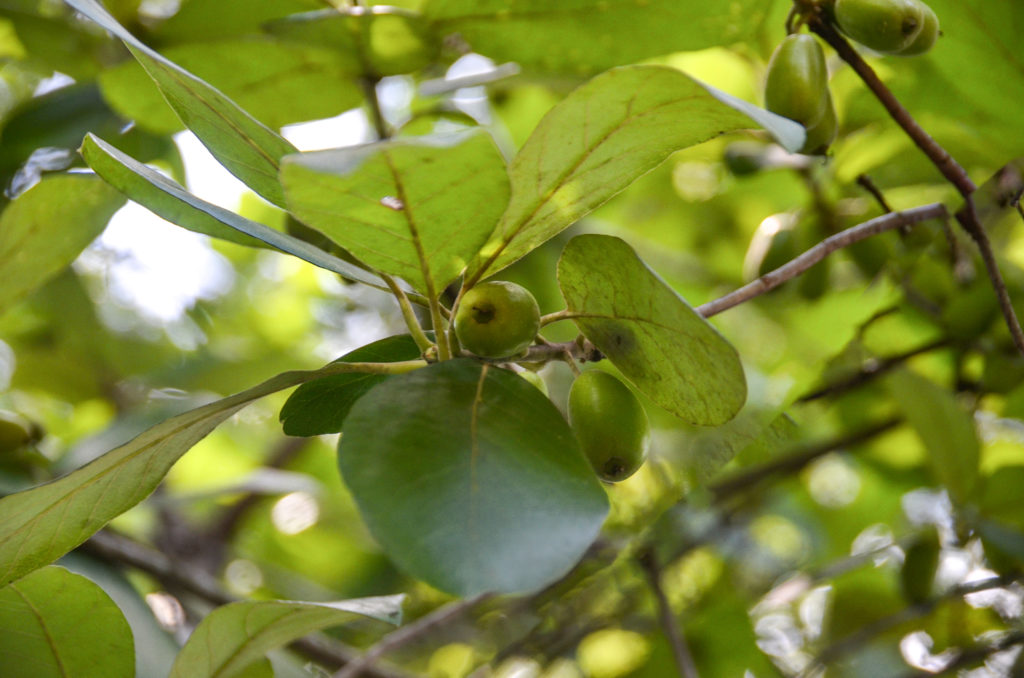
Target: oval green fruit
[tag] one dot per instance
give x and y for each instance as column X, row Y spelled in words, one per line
column 928, row 35
column 497, row 320
column 610, row 424
column 797, row 82
column 883, row 25
column 821, row 135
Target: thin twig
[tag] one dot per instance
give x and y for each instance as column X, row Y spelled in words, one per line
column 973, row 654
column 795, row 267
column 676, row 639
column 943, row 161
column 791, row 463
column 409, row 633
column 864, row 181
column 380, row 126
column 873, row 368
column 869, row 632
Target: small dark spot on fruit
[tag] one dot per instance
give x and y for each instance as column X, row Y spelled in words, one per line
column 483, row 313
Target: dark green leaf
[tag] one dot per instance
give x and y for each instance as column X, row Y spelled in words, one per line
column 201, row 20
column 597, row 141
column 234, row 636
column 55, row 624
column 320, row 406
column 246, row 147
column 169, row 200
column 580, row 37
column 669, row 352
column 418, row 208
column 471, row 479
column 945, row 428
column 46, row 229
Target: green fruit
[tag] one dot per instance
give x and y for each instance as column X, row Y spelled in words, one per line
column 797, row 83
column 883, row 25
column 497, row 320
column 610, row 424
column 821, row 135
column 928, row 35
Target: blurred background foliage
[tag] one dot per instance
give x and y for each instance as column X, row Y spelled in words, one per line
column 764, row 579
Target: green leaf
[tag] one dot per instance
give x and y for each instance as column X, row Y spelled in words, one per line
column 597, row 141
column 234, row 636
column 277, row 82
column 471, row 479
column 320, row 407
column 45, row 522
column 47, row 227
column 945, row 428
column 418, row 208
column 376, row 40
column 201, row 20
column 169, row 200
column 246, row 147
column 587, row 36
column 658, row 342
column 59, row 624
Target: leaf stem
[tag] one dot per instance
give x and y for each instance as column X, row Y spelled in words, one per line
column 795, row 267
column 411, row 321
column 564, row 314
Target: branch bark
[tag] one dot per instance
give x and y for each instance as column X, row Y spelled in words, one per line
column 791, row 269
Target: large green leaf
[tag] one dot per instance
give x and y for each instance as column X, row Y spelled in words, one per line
column 246, row 147
column 375, row 41
column 946, row 430
column 418, row 208
column 278, row 83
column 600, row 139
column 47, row 227
column 169, row 200
column 55, row 624
column 320, row 407
column 668, row 350
column 470, row 478
column 587, row 36
column 234, row 636
column 45, row 522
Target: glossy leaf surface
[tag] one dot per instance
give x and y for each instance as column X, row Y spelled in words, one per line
column 470, row 479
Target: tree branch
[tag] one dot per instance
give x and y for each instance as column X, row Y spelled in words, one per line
column 409, row 633
column 676, row 638
column 791, row 463
column 113, row 547
column 791, row 269
column 872, row 369
column 943, row 161
column 867, row 633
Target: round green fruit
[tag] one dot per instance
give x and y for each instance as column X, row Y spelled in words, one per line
column 497, row 320
column 883, row 25
column 797, row 82
column 928, row 35
column 610, row 424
